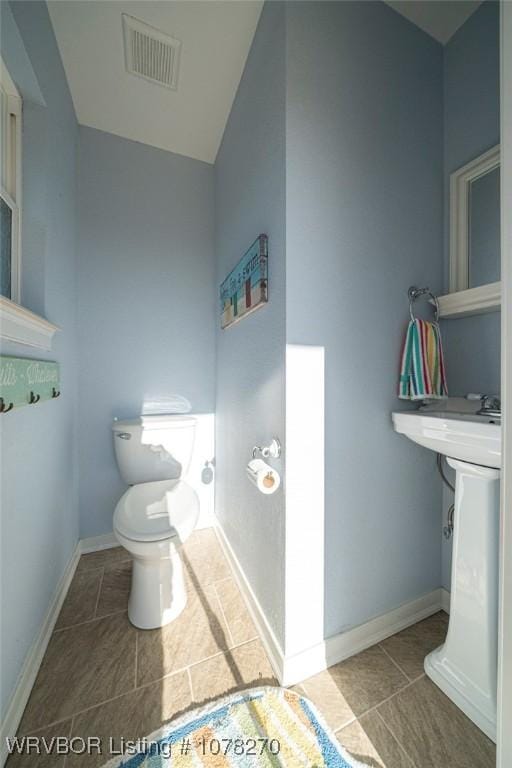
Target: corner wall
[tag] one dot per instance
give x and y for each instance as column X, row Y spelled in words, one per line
column 146, row 299
column 39, row 509
column 250, row 200
column 363, row 222
column 471, row 126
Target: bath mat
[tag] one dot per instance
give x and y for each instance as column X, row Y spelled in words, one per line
column 257, row 728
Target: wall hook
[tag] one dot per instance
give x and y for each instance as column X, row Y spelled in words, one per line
column 34, row 398
column 55, row 392
column 3, row 409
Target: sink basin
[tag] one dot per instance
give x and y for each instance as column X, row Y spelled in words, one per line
column 468, row 437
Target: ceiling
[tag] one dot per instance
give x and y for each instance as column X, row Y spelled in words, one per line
column 215, row 40
column 439, row 18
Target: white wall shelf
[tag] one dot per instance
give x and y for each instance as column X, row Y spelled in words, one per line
column 472, row 301
column 22, row 326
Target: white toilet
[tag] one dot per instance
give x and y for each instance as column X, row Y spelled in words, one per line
column 157, row 514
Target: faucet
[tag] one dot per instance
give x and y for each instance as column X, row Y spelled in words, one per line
column 490, row 405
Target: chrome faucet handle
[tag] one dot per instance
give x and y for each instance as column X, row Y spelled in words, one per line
column 491, row 404
column 483, row 398
column 491, row 401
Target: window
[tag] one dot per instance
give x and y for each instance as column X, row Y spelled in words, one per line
column 10, row 186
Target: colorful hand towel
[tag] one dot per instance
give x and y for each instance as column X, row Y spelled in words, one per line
column 422, row 374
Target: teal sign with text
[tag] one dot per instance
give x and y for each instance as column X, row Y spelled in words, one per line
column 24, row 381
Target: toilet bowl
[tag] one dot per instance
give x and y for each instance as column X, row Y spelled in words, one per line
column 157, row 513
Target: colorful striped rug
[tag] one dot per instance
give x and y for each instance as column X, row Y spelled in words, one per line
column 258, row 728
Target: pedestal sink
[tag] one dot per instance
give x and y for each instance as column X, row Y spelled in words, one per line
column 465, row 667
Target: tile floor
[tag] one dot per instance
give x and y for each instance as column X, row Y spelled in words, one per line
column 102, row 677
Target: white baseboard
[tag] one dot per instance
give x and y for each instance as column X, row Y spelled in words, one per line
column 265, row 631
column 34, row 658
column 108, row 540
column 445, row 600
column 97, row 543
column 345, row 644
column 293, row 669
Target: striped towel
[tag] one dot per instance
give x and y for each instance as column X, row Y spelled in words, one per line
column 422, row 373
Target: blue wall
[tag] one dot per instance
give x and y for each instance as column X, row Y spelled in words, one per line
column 471, row 126
column 146, row 304
column 250, row 199
column 364, row 221
column 39, row 511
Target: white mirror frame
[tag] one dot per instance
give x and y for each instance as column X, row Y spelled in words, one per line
column 463, row 300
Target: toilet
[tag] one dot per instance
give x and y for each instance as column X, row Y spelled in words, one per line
column 157, row 513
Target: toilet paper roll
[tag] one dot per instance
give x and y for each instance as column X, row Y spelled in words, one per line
column 264, row 477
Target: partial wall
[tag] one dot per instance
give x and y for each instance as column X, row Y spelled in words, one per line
column 39, row 509
column 250, row 200
column 363, row 222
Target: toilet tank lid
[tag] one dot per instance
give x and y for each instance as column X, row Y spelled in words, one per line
column 155, row 421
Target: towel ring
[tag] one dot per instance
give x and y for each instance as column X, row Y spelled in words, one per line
column 416, row 293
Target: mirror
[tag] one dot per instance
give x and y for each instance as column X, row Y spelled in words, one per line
column 474, row 237
column 484, row 229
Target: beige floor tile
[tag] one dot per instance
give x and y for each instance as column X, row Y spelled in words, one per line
column 366, row 679
column 115, row 589
column 203, row 558
column 244, row 667
column 105, row 557
column 197, row 633
column 43, row 760
column 132, row 716
column 298, row 689
column 80, row 602
column 83, row 666
column 326, row 695
column 237, row 616
column 434, row 731
column 369, row 741
column 409, row 647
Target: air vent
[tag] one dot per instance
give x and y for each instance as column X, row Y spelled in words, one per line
column 149, row 53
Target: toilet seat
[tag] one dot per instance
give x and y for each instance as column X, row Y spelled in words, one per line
column 151, row 512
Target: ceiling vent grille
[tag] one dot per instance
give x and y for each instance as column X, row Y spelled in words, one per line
column 149, row 53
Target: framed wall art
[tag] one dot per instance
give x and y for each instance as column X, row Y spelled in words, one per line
column 246, row 287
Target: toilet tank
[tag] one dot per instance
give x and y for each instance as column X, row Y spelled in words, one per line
column 156, row 447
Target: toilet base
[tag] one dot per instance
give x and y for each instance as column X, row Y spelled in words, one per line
column 158, row 594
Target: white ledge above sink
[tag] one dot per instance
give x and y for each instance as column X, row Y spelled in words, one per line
column 468, row 437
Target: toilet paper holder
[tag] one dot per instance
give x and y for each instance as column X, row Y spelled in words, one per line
column 272, row 451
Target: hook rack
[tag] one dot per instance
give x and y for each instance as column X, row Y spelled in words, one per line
column 416, row 293
column 24, row 381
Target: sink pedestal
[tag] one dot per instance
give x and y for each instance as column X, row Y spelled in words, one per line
column 465, row 667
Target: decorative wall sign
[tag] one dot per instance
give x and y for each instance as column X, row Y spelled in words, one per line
column 246, row 287
column 24, row 381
